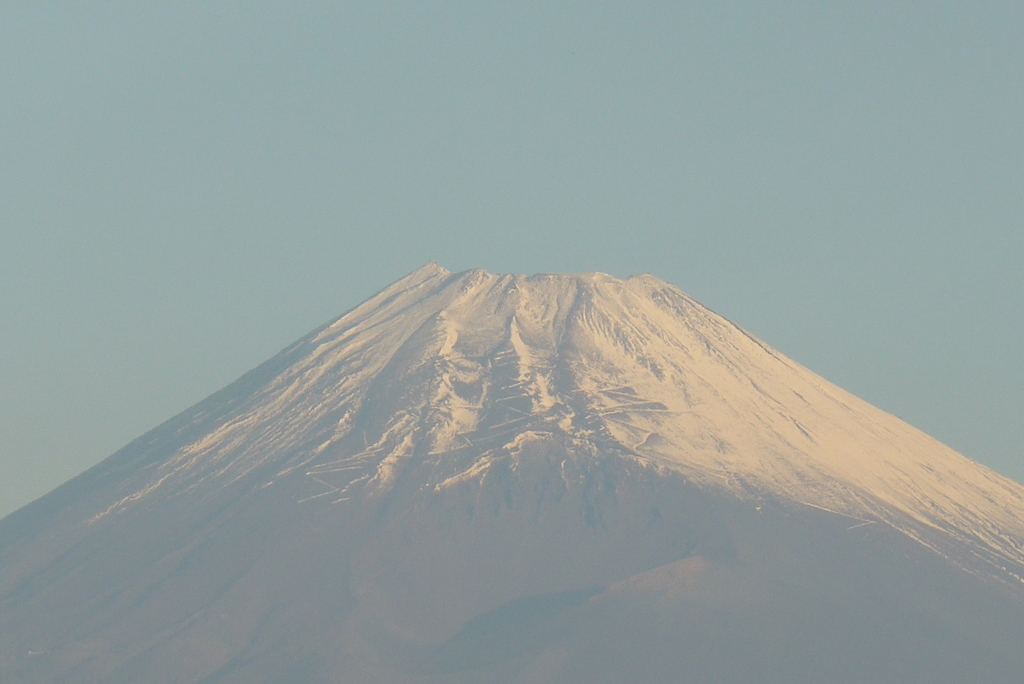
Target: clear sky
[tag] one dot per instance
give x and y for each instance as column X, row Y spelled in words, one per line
column 187, row 187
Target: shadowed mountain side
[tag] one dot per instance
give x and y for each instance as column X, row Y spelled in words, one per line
column 709, row 588
column 806, row 599
column 252, row 583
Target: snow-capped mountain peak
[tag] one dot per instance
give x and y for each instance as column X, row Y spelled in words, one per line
column 457, row 371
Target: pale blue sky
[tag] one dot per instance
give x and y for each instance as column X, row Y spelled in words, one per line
column 185, row 188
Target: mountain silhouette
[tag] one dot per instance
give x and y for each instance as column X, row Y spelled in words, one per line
column 499, row 478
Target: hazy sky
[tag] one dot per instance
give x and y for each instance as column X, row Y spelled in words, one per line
column 185, row 188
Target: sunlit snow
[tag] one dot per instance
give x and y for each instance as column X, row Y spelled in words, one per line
column 459, row 370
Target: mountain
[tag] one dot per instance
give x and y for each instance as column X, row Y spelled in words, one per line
column 474, row 477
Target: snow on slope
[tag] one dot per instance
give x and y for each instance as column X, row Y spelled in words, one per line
column 460, row 371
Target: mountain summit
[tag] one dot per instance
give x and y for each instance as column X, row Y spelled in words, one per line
column 479, row 477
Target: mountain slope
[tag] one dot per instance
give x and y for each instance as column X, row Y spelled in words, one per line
column 360, row 506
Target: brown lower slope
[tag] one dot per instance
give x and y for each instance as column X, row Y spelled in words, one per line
column 565, row 568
